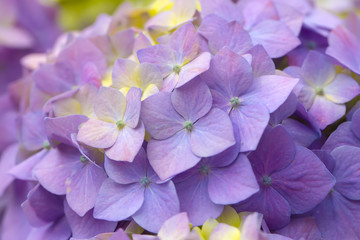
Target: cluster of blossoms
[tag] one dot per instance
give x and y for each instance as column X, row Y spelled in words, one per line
column 188, row 120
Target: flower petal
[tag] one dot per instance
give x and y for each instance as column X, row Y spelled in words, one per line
column 171, row 156
column 97, row 133
column 133, row 106
column 326, row 112
column 342, row 89
column 127, row 144
column 113, row 197
column 125, row 172
column 160, row 203
column 110, row 105
column 233, row 183
column 304, row 188
column 159, row 116
column 212, row 134
column 83, row 187
column 194, row 199
column 193, row 100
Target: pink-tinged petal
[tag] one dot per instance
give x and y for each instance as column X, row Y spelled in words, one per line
column 83, row 187
column 170, row 82
column 110, row 105
column 271, row 204
column 176, row 227
column 159, row 116
column 141, row 42
column 317, row 69
column 15, row 37
column 335, row 217
column 193, row 100
column 57, row 230
column 94, row 155
column 86, row 226
column 194, row 199
column 231, row 35
column 229, row 74
column 346, row 171
column 326, row 112
column 61, row 128
column 56, row 167
column 270, row 90
column 161, row 56
column 127, row 144
column 185, row 41
column 251, row 121
column 123, row 73
column 113, row 197
column 251, row 227
column 261, row 63
column 342, row 46
column 124, row 172
column 24, row 170
column 210, row 24
column 233, row 183
column 342, row 89
column 212, row 134
column 272, row 156
column 305, row 182
column 143, row 237
column 194, row 68
column 301, row 228
column 42, row 207
column 97, row 133
column 275, row 36
column 133, row 105
column 171, row 156
column 160, row 203
column 7, row 162
column 255, row 12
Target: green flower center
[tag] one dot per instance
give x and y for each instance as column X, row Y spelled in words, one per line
column 145, row 181
column 83, row 159
column 235, row 102
column 266, row 180
column 46, row 145
column 311, row 45
column 205, row 169
column 177, row 69
column 120, row 124
column 188, row 125
column 319, row 91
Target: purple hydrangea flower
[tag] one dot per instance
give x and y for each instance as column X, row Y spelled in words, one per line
column 324, row 92
column 134, row 190
column 184, row 128
column 225, row 178
column 262, row 23
column 336, row 215
column 180, row 59
column 292, row 179
column 117, row 127
column 248, row 100
column 74, row 172
column 79, row 63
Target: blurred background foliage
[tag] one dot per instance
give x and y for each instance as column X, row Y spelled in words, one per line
column 77, row 14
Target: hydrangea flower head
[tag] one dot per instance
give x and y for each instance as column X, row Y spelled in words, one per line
column 117, row 128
